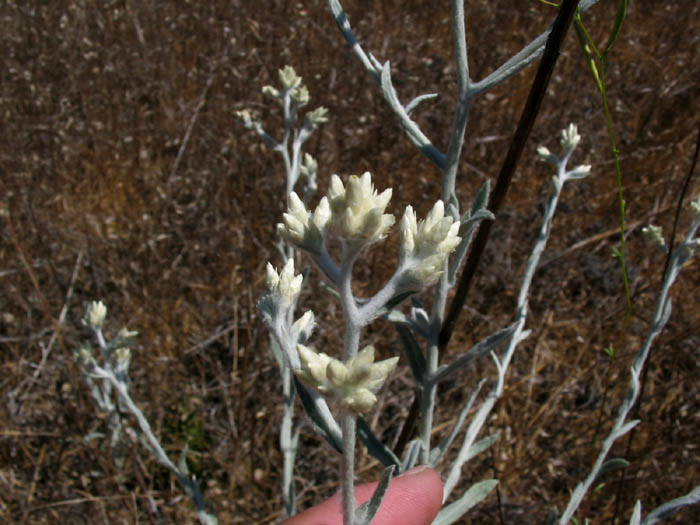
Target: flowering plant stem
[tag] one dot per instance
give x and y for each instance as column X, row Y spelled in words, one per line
column 350, row 348
column 621, row 427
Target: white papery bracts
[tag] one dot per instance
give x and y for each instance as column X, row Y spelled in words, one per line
column 426, row 245
column 358, row 211
column 306, row 230
column 353, row 384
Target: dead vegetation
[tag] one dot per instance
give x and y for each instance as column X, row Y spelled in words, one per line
column 105, row 195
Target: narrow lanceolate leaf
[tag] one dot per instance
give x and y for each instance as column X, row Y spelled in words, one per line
column 375, row 447
column 322, row 419
column 411, row 456
column 617, row 26
column 665, row 510
column 420, row 98
column 414, row 355
column 482, row 197
column 459, row 508
column 396, row 300
column 636, row 517
column 612, row 464
column 438, row 452
column 481, row 445
column 480, row 349
column 366, row 512
column 182, row 463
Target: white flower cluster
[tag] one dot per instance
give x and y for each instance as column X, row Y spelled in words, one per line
column 695, row 209
column 95, row 315
column 306, row 230
column 352, row 384
column 356, row 210
column 426, row 245
column 284, row 287
column 569, row 139
column 292, row 84
column 654, row 235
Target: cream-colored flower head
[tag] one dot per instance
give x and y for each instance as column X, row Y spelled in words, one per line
column 300, row 95
column 270, row 91
column 426, row 245
column 289, row 78
column 570, row 137
column 654, row 234
column 358, row 211
column 309, row 166
column 317, row 117
column 695, row 209
column 353, row 384
column 95, row 315
column 300, row 227
column 285, row 286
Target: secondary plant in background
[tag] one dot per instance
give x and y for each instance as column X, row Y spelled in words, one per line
column 293, row 95
column 108, row 375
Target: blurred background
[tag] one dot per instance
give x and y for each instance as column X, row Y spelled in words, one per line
column 106, row 196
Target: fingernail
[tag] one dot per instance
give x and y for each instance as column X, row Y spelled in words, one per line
column 414, row 470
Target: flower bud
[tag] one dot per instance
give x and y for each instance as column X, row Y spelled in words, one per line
column 300, row 95
column 284, row 287
column 122, row 358
column 653, row 234
column 303, row 327
column 306, row 230
column 270, row 91
column 426, row 245
column 316, row 117
column 358, row 210
column 580, row 171
column 289, row 78
column 544, row 153
column 309, row 166
column 83, row 354
column 695, row 209
column 95, row 315
column 570, row 137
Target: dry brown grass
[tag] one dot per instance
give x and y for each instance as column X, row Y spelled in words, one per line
column 96, row 98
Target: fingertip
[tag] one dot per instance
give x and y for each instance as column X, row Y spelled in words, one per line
column 413, row 498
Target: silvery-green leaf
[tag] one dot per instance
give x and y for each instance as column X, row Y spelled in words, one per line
column 375, row 446
column 182, row 462
column 365, row 513
column 636, row 517
column 466, row 232
column 612, row 464
column 480, row 349
column 420, row 98
column 482, row 197
column 414, row 355
column 665, row 510
column 459, row 508
column 552, row 517
column 421, row 321
column 397, row 316
column 438, row 452
column 277, row 352
column 452, row 208
column 321, row 418
column 411, row 455
column 624, row 429
column 397, row 299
